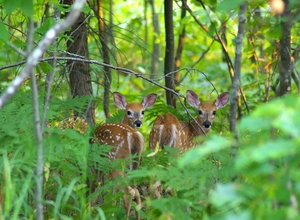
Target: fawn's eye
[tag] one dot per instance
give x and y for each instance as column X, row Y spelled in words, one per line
column 128, row 112
column 143, row 112
column 200, row 112
column 214, row 112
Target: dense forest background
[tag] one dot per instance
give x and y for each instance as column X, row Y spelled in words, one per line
column 61, row 61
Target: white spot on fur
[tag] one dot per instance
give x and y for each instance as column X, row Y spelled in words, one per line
column 173, row 136
column 161, row 127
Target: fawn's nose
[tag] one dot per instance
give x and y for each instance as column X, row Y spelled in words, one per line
column 207, row 124
column 137, row 123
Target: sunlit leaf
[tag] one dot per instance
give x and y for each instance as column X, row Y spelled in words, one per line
column 289, row 122
column 27, row 7
column 260, row 153
column 227, row 5
column 225, row 195
column 212, row 145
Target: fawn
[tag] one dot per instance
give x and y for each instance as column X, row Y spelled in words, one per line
column 127, row 141
column 167, row 130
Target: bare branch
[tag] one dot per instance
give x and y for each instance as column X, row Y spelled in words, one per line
column 78, row 58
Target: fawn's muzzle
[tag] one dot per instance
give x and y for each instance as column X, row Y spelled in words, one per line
column 137, row 123
column 207, row 124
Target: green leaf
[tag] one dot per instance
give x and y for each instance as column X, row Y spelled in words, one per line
column 48, row 23
column 44, row 67
column 289, row 122
column 245, row 215
column 63, row 8
column 27, row 7
column 225, row 195
column 117, row 117
column 212, row 145
column 4, row 36
column 228, row 5
column 260, row 153
column 11, row 5
column 212, row 28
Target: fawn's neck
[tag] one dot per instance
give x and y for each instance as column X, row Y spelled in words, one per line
column 196, row 130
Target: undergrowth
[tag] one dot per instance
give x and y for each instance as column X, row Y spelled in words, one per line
column 255, row 177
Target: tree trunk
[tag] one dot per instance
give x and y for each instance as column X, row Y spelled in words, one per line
column 180, row 43
column 237, row 68
column 111, row 29
column 285, row 52
column 223, row 36
column 79, row 72
column 155, row 63
column 169, row 55
column 105, row 56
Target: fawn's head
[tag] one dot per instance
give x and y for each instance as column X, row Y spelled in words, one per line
column 206, row 110
column 134, row 111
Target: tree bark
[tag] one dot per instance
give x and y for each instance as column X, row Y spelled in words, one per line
column 223, row 41
column 169, row 55
column 105, row 56
column 79, row 72
column 285, row 52
column 111, row 29
column 180, row 43
column 237, row 68
column 37, row 129
column 155, row 63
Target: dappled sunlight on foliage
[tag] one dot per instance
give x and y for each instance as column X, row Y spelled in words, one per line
column 247, row 172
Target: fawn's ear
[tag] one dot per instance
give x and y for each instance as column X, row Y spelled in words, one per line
column 120, row 100
column 192, row 98
column 149, row 100
column 222, row 100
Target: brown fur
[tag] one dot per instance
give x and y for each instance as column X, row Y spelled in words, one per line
column 127, row 142
column 167, row 130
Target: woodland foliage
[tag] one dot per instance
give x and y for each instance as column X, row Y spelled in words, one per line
column 250, row 173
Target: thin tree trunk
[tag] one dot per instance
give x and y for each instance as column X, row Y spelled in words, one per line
column 224, row 40
column 38, row 132
column 169, row 55
column 285, row 52
column 237, row 67
column 295, row 60
column 180, row 43
column 146, row 21
column 80, row 78
column 105, row 56
column 111, row 28
column 155, row 63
